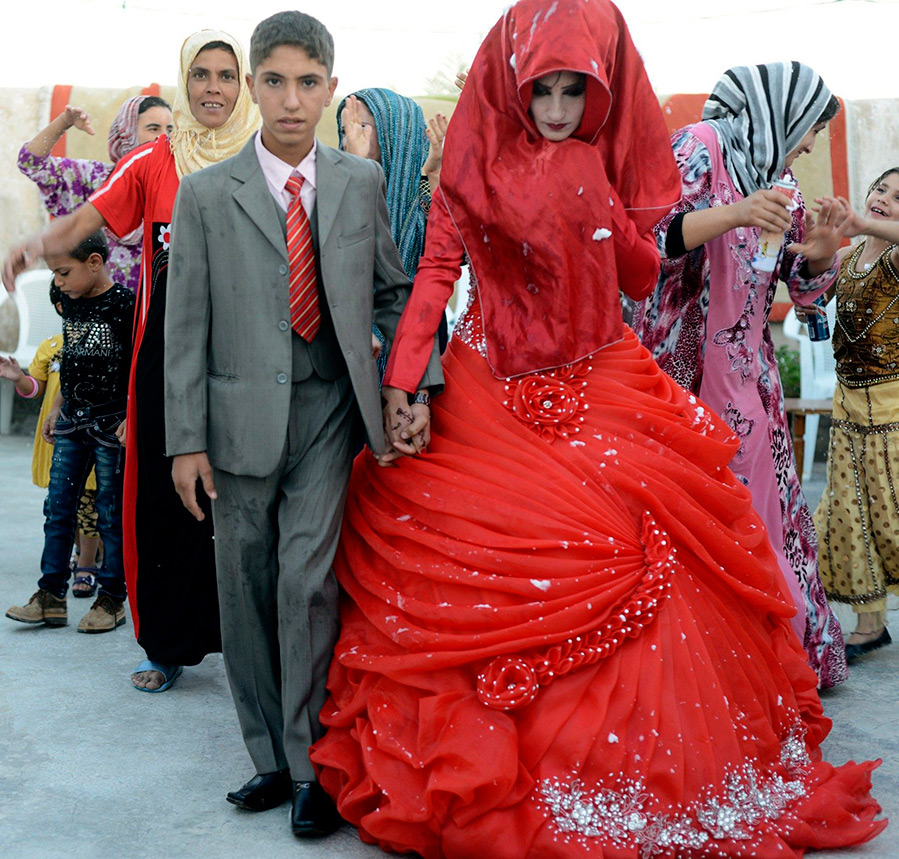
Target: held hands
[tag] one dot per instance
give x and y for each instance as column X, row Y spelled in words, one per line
column 407, row 428
column 356, row 136
column 187, row 469
column 78, row 118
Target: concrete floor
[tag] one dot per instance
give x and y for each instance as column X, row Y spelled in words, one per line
column 90, row 768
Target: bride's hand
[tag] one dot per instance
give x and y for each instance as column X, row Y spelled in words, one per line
column 407, row 428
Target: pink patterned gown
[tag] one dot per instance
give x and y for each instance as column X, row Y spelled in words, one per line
column 706, row 324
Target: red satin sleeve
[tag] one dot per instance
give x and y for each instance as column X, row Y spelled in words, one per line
column 438, row 271
column 636, row 256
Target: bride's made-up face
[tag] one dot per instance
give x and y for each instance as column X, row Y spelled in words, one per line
column 557, row 104
column 213, row 85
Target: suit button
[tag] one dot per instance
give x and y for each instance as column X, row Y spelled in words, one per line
column 283, row 325
column 283, row 269
column 282, row 379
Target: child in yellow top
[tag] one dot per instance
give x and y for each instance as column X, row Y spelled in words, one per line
column 42, row 379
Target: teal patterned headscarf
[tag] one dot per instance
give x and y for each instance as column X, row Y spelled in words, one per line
column 400, row 126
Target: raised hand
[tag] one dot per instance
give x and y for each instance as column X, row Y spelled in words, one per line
column 10, row 369
column 461, row 77
column 356, row 136
column 823, row 234
column 78, row 118
column 436, row 132
column 19, row 258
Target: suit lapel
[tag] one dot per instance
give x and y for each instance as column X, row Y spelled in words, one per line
column 252, row 194
column 331, row 182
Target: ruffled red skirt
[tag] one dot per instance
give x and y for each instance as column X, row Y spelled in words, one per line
column 564, row 635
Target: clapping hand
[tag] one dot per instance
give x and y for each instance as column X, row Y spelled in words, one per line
column 356, row 135
column 80, row 119
column 823, row 234
column 436, row 132
column 10, row 369
column 19, row 258
column 856, row 226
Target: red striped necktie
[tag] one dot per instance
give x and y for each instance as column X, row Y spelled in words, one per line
column 304, row 313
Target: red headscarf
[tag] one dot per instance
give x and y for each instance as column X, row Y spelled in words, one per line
column 554, row 229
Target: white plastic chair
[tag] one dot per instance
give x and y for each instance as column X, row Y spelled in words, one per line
column 38, row 320
column 817, row 374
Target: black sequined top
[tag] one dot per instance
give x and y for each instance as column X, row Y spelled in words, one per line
column 96, row 352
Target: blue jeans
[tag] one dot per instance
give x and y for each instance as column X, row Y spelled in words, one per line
column 82, row 441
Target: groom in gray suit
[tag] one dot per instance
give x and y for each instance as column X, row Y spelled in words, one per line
column 263, row 413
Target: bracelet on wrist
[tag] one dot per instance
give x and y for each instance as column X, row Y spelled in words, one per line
column 421, row 399
column 34, row 389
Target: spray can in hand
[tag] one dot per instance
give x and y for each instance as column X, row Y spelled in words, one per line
column 765, row 258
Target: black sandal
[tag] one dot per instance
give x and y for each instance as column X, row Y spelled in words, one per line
column 87, row 579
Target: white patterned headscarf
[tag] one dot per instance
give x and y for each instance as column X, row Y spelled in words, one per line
column 761, row 113
column 193, row 144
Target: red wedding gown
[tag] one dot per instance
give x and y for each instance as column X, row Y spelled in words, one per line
column 564, row 630
column 574, row 546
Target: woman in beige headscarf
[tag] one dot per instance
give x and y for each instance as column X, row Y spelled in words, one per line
column 169, row 563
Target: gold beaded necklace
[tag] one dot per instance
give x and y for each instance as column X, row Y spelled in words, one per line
column 850, row 270
column 857, row 255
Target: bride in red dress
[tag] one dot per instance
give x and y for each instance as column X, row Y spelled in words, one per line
column 564, row 631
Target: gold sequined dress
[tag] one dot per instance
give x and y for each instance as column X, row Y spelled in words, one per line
column 858, row 516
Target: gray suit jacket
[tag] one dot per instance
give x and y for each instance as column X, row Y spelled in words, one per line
column 228, row 340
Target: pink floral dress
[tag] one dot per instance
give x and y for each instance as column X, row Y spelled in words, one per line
column 706, row 324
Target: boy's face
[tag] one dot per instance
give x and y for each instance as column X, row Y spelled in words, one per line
column 292, row 91
column 75, row 278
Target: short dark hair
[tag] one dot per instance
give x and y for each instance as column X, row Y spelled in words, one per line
column 55, row 292
column 830, row 111
column 94, row 244
column 880, row 179
column 152, row 101
column 292, row 28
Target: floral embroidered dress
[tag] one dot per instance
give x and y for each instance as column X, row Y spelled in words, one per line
column 565, row 634
column 65, row 185
column 706, row 324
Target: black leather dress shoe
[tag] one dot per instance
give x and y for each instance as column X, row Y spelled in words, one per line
column 313, row 815
column 263, row 792
column 853, row 651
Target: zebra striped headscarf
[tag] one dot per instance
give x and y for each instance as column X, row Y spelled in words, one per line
column 400, row 126
column 761, row 113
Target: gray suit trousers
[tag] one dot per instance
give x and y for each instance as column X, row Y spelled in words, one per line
column 275, row 539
